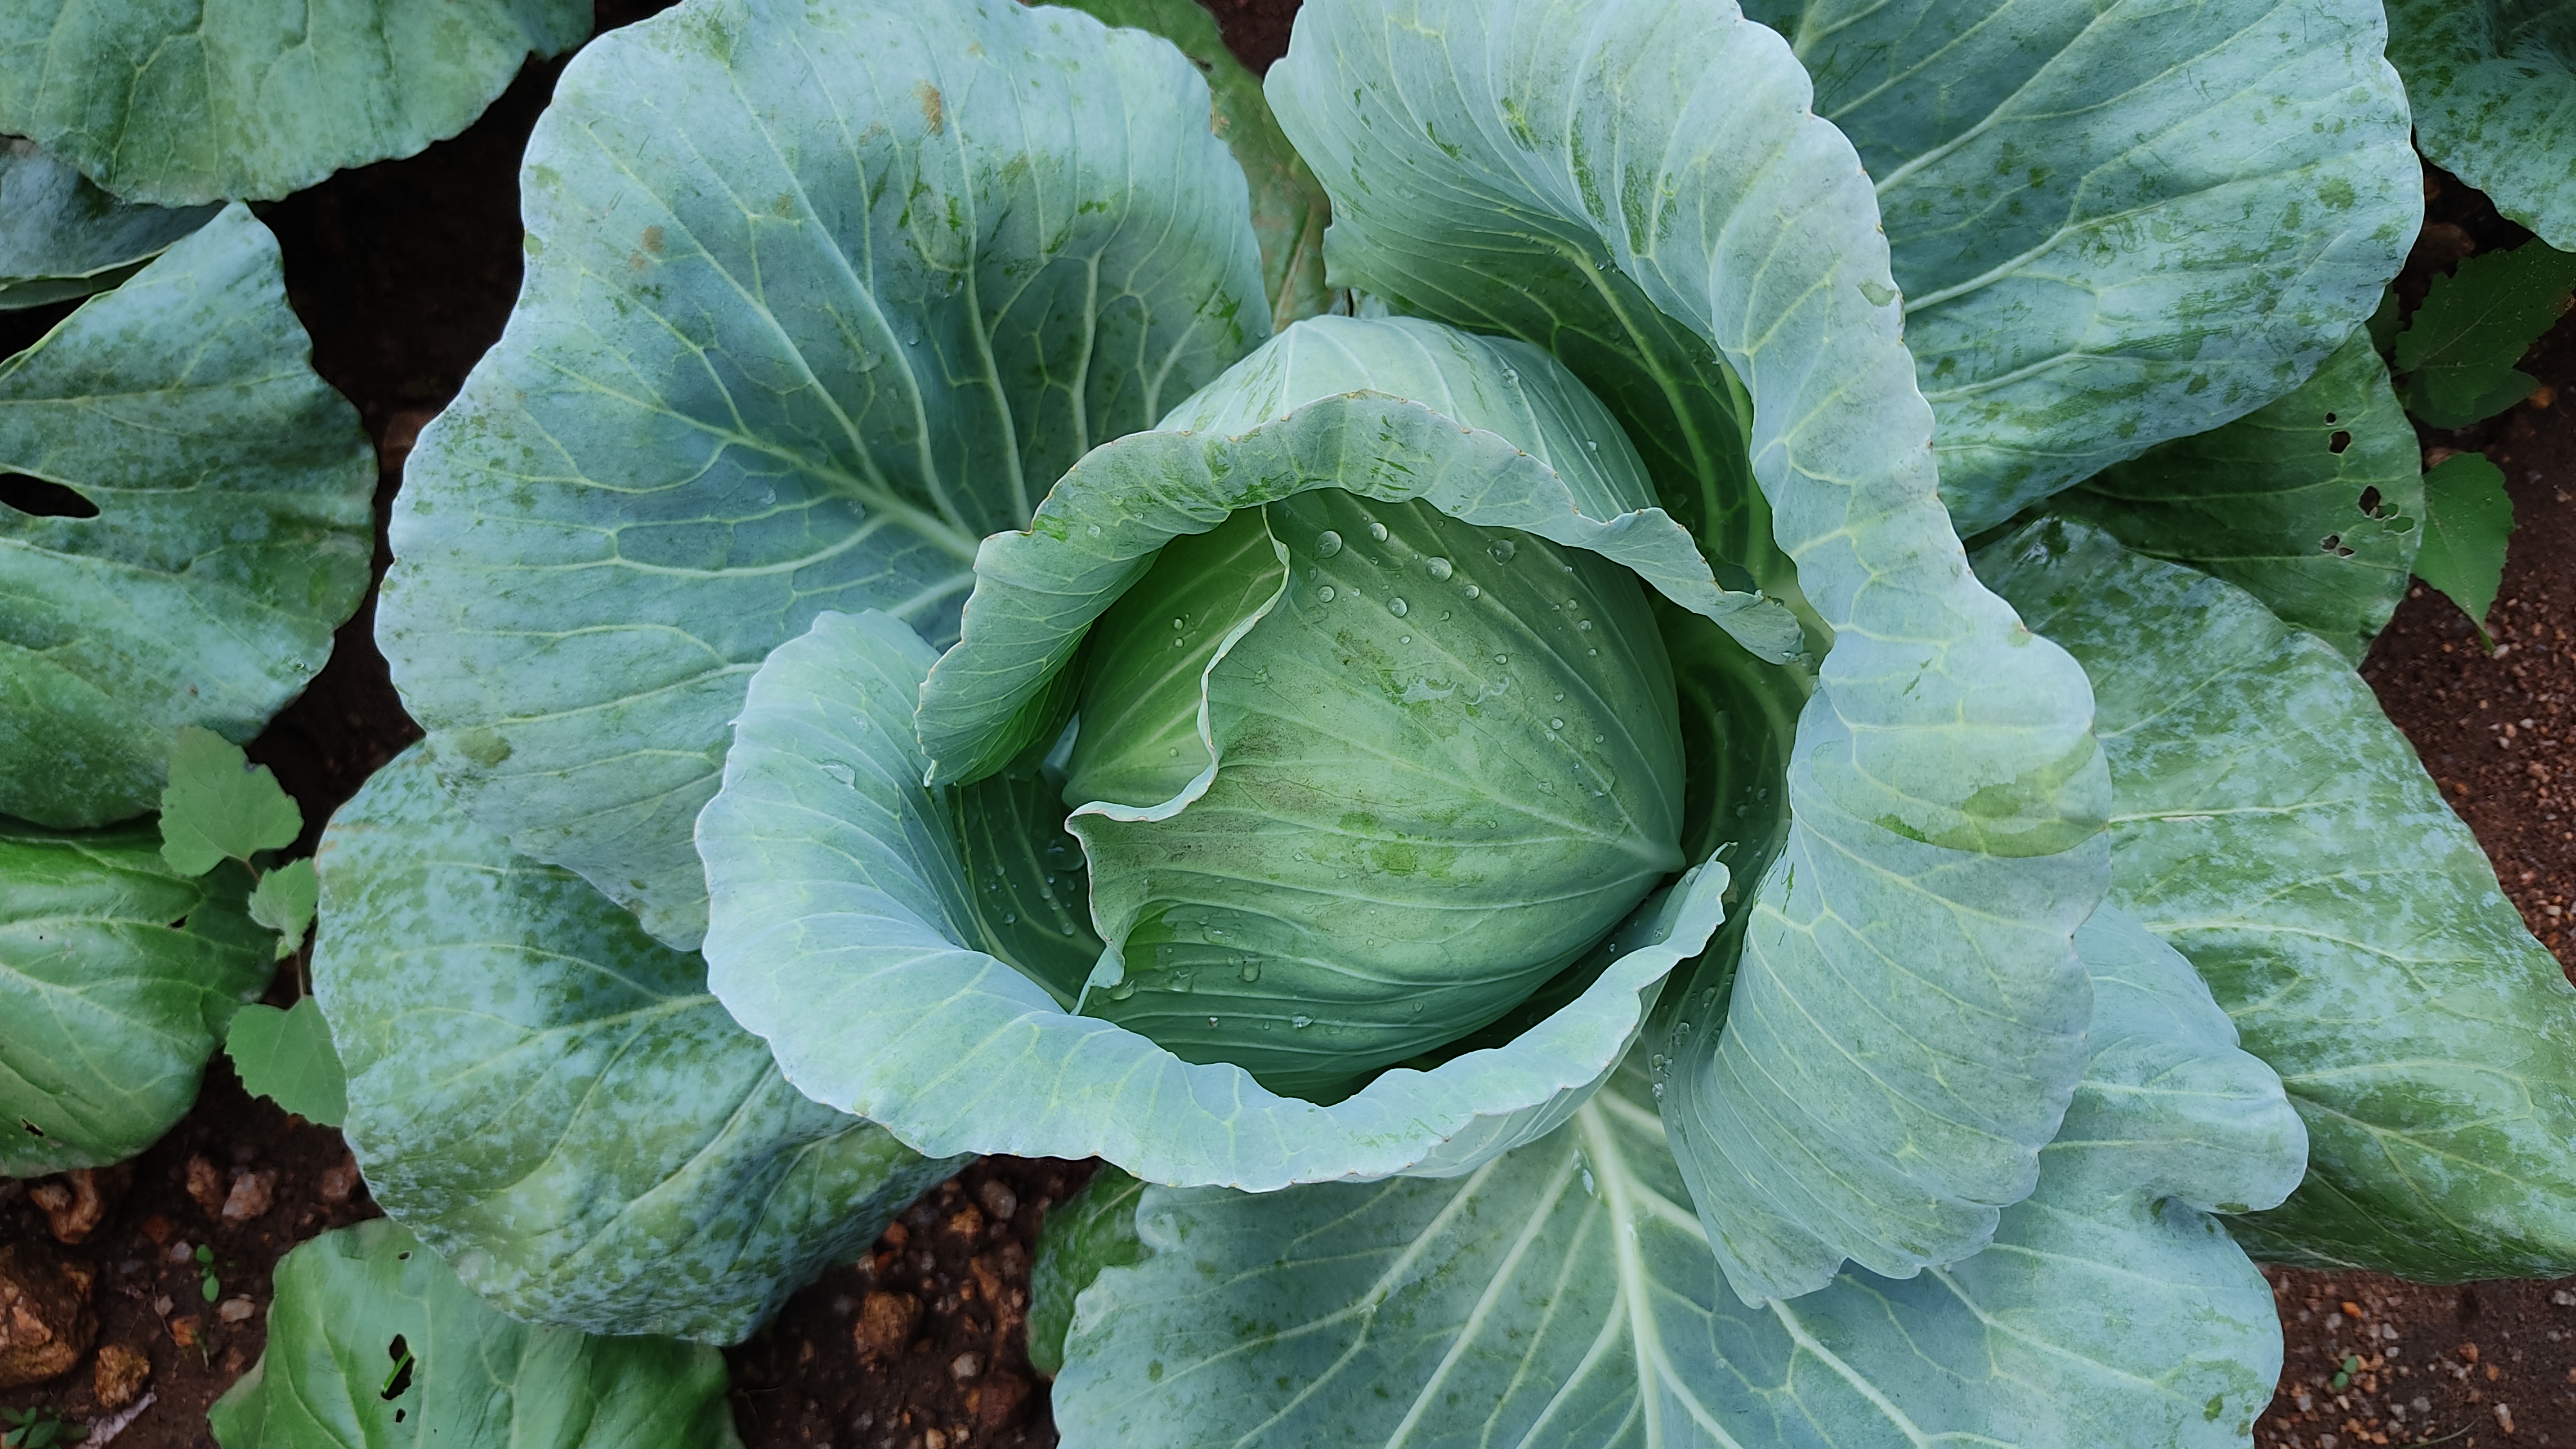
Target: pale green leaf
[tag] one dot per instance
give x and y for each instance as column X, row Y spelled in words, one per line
column 234, row 526
column 184, row 103
column 2460, row 347
column 2494, row 102
column 2278, row 830
column 1289, row 210
column 60, row 236
column 1563, row 1294
column 373, row 1344
column 551, row 1098
column 816, row 298
column 1091, row 1230
column 117, row 976
column 842, row 933
column 2468, row 521
column 2114, row 223
column 2313, row 503
column 286, row 1056
column 1642, row 189
column 283, row 901
column 217, row 807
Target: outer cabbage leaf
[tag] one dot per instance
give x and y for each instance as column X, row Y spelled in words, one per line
column 2493, row 87
column 2313, row 504
column 1563, row 1294
column 373, row 1342
column 1289, row 209
column 2278, row 830
column 1091, row 1230
column 845, row 933
column 551, row 1099
column 817, row 297
column 60, row 236
column 182, row 103
column 2115, row 223
column 1607, row 181
column 117, row 978
column 232, row 536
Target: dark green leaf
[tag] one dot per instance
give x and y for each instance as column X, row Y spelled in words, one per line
column 2467, row 519
column 2475, row 324
column 216, row 807
column 2313, row 504
column 1091, row 1230
column 287, row 1057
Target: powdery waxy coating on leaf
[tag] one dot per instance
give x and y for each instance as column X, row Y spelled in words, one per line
column 60, row 236
column 817, row 297
column 1565, row 1295
column 2494, row 97
column 232, row 535
column 2313, row 503
column 179, row 102
column 1608, row 179
column 2115, row 223
column 372, row 1341
column 117, row 977
column 552, row 1099
column 2277, row 829
column 844, row 930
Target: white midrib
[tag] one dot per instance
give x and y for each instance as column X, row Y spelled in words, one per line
column 1623, row 1196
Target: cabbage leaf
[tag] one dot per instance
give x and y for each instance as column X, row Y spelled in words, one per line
column 816, row 298
column 1563, row 1293
column 550, row 1098
column 231, row 531
column 2273, row 826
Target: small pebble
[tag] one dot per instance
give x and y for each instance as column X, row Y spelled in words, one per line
column 236, row 1310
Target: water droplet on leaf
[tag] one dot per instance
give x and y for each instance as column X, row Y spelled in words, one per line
column 1398, row 607
column 1439, row 568
column 1327, row 544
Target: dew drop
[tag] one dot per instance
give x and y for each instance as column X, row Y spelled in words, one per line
column 1596, row 739
column 1122, row 990
column 1251, row 970
column 1559, row 698
column 1377, row 530
column 1405, row 639
column 1327, row 544
column 1301, row 1022
column 1583, row 624
column 1324, row 595
column 1439, row 568
column 840, row 772
column 1556, row 724
column 1503, row 550
column 1211, row 1021
column 1180, row 623
column 1502, row 659
column 1010, row 918
column 1475, row 593
column 1398, row 607
column 1591, row 445
column 1574, row 603
column 1095, row 530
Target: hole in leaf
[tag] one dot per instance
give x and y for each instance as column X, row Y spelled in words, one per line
column 2338, row 442
column 2370, row 502
column 401, row 1414
column 2333, row 543
column 180, row 924
column 398, row 1382
column 2330, row 420
column 32, row 1129
column 43, row 499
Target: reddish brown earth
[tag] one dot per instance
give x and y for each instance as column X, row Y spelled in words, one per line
column 404, row 272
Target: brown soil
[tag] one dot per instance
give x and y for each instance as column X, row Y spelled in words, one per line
column 405, row 271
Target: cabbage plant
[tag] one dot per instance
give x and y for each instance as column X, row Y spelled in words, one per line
column 2491, row 87
column 1507, row 807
